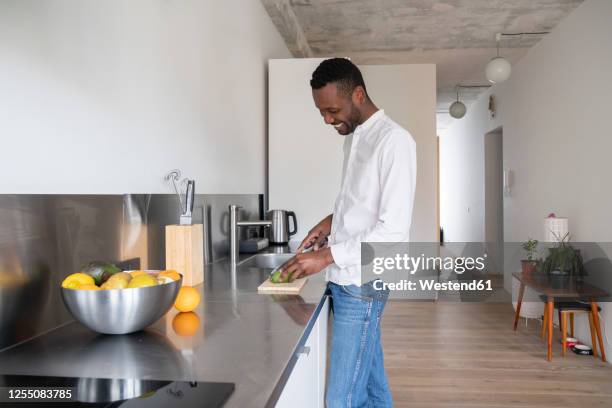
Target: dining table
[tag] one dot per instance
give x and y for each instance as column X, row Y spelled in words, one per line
column 559, row 288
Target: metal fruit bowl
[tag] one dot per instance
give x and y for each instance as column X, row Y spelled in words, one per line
column 121, row 311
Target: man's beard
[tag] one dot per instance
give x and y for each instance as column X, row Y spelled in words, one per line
column 354, row 119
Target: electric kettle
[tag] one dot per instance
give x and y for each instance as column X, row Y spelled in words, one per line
column 279, row 230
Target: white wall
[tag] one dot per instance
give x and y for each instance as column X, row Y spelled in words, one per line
column 107, row 96
column 554, row 113
column 306, row 155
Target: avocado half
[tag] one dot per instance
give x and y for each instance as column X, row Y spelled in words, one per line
column 275, row 277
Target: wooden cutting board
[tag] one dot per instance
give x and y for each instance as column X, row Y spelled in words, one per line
column 288, row 288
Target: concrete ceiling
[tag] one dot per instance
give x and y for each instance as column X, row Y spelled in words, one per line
column 457, row 35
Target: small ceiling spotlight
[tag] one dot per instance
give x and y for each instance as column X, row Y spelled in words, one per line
column 499, row 68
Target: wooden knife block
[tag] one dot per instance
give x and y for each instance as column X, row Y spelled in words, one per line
column 185, row 252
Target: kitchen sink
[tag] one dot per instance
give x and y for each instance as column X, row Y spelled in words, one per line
column 266, row 261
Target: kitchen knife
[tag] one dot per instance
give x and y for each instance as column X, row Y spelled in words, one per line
column 189, row 198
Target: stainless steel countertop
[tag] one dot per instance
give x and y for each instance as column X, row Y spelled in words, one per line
column 243, row 337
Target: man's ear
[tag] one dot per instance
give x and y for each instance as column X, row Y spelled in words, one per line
column 359, row 95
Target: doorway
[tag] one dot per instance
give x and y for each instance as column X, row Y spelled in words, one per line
column 494, row 200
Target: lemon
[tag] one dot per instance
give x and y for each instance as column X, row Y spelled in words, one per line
column 114, row 284
column 77, row 279
column 88, row 287
column 137, row 273
column 122, row 276
column 143, row 280
column 117, row 281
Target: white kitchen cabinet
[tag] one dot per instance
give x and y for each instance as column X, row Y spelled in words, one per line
column 306, row 384
column 322, row 355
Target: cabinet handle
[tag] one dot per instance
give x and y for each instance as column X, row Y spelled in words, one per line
column 304, row 350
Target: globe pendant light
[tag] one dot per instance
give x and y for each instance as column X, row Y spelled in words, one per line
column 498, row 69
column 457, row 109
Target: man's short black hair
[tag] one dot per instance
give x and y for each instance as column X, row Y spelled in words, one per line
column 340, row 71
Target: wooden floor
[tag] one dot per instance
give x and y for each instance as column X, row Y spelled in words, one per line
column 451, row 354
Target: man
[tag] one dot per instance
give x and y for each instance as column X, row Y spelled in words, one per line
column 374, row 205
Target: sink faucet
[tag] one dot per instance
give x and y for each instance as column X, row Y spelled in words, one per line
column 233, row 230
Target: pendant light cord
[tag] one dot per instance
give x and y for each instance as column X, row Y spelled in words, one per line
column 459, row 86
column 515, row 34
column 534, row 33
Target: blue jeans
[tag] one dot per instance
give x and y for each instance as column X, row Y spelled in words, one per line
column 356, row 376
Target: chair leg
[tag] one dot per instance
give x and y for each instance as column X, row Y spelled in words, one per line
column 544, row 321
column 593, row 338
column 563, row 324
column 559, row 316
column 572, row 324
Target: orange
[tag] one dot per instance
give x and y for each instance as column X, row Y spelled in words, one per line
column 186, row 324
column 188, row 299
column 170, row 273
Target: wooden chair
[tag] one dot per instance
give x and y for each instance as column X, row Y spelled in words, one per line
column 569, row 308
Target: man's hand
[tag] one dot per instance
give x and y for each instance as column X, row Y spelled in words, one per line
column 317, row 236
column 305, row 264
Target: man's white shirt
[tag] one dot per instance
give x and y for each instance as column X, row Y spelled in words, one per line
column 376, row 196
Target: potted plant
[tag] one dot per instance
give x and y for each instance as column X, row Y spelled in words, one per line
column 564, row 260
column 530, row 264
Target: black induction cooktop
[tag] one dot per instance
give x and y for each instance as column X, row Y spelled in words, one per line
column 25, row 391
